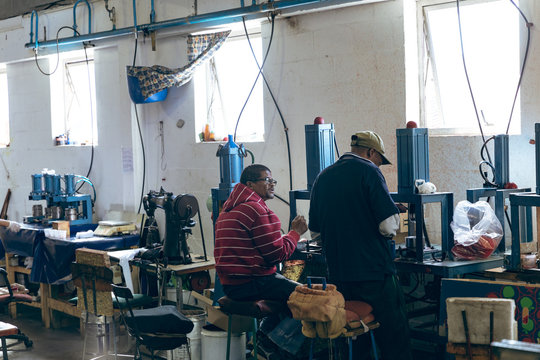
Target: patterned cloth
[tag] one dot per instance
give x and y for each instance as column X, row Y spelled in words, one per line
column 156, row 78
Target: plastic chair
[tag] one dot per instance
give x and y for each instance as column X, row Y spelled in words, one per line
column 5, row 300
column 253, row 309
column 160, row 328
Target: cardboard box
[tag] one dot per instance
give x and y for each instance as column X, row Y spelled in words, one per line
column 61, row 225
column 218, row 318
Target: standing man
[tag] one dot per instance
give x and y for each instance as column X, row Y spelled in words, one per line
column 354, row 213
column 249, row 243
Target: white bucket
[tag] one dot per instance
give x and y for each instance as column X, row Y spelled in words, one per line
column 214, row 342
column 198, row 317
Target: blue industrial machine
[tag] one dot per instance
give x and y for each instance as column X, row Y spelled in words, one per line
column 62, row 203
column 319, row 155
column 495, row 187
column 413, row 158
column 231, row 163
column 413, row 164
column 537, row 152
column 319, row 150
column 522, row 227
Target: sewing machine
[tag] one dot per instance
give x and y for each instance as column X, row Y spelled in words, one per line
column 179, row 211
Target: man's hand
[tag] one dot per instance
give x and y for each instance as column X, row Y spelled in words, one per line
column 299, row 224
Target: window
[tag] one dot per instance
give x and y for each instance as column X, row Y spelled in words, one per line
column 222, row 86
column 4, row 108
column 73, row 99
column 491, row 45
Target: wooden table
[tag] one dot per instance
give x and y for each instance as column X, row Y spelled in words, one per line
column 199, row 264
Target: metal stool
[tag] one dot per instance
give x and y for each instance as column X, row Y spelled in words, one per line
column 362, row 312
column 359, row 314
column 256, row 310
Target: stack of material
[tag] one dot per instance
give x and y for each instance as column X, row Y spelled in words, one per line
column 474, row 323
column 103, row 296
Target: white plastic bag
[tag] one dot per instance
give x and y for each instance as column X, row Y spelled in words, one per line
column 477, row 231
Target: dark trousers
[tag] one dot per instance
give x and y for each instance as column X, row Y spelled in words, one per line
column 386, row 298
column 281, row 329
column 271, row 287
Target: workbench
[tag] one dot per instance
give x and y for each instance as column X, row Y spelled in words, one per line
column 52, row 262
column 199, row 264
column 448, row 268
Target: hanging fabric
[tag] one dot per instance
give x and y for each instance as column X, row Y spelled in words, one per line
column 144, row 81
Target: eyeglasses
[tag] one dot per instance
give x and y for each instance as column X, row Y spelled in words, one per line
column 268, row 180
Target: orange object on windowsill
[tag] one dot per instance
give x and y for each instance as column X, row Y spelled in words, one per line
column 207, row 132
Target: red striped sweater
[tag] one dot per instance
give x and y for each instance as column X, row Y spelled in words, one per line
column 248, row 238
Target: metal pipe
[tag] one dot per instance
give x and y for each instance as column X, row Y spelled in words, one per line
column 152, row 14
column 134, row 15
column 32, row 27
column 209, row 19
column 75, row 18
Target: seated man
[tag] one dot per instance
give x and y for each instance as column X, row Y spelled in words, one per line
column 249, row 243
column 248, row 247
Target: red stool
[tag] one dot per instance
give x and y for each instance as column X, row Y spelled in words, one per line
column 14, row 297
column 360, row 313
column 257, row 309
column 5, row 331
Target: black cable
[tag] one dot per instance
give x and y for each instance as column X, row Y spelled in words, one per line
column 285, row 127
column 335, row 145
column 507, row 218
column 57, row 51
column 91, row 117
column 141, row 137
column 258, row 74
column 424, row 229
column 143, row 158
column 282, row 199
column 202, row 237
column 528, row 24
column 467, row 76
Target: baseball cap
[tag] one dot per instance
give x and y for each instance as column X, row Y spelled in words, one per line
column 371, row 140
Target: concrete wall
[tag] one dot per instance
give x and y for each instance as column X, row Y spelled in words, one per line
column 348, row 65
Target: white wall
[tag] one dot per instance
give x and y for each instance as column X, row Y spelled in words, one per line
column 346, row 65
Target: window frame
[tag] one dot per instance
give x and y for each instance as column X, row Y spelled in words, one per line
column 3, row 73
column 424, row 58
column 201, row 95
column 60, row 121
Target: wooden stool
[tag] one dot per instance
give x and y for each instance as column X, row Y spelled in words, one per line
column 6, row 330
column 254, row 309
